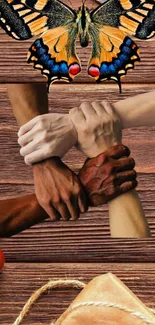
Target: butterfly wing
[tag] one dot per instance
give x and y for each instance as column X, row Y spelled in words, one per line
column 135, row 17
column 113, row 54
column 23, row 19
column 54, row 54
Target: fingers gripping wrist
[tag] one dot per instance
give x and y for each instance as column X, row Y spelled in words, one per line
column 46, row 136
column 108, row 175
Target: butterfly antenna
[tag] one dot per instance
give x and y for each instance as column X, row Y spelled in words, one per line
column 70, row 2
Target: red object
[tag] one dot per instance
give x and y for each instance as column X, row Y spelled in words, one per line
column 2, row 261
column 74, row 69
column 94, row 71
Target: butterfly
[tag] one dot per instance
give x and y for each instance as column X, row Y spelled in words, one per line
column 58, row 26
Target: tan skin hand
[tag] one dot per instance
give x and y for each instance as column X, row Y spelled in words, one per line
column 58, row 190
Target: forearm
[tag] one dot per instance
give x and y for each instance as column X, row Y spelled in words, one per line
column 19, row 214
column 137, row 111
column 28, row 101
column 127, row 218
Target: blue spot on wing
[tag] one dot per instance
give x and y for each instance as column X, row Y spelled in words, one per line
column 124, row 58
column 104, row 68
column 128, row 41
column 57, row 70
column 118, row 63
column 126, row 50
column 111, row 69
column 63, row 68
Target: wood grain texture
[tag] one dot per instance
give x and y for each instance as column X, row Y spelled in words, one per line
column 19, row 281
column 87, row 240
column 13, row 54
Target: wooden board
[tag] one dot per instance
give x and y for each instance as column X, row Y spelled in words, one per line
column 13, row 54
column 19, row 281
column 29, row 254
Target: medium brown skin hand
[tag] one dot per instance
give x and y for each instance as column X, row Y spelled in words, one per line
column 108, row 175
column 99, row 177
column 58, row 190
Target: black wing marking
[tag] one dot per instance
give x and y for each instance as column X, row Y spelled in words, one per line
column 22, row 20
column 108, row 13
column 11, row 21
column 59, row 13
column 135, row 17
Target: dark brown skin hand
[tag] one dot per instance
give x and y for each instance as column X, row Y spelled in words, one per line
column 108, row 175
column 19, row 214
column 58, row 190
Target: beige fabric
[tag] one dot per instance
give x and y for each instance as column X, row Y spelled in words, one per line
column 107, row 289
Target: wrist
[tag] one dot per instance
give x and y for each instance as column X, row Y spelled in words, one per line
column 53, row 161
column 97, row 150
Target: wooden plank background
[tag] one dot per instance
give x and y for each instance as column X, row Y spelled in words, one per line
column 20, row 280
column 72, row 250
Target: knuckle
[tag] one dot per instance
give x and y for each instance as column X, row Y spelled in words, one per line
column 110, row 191
column 66, row 196
column 20, row 141
column 43, row 200
column 44, row 135
column 83, row 104
column 105, row 158
column 77, row 189
column 104, row 102
column 56, row 200
column 134, row 173
column 41, row 124
column 84, row 128
column 22, row 152
column 113, row 180
column 38, row 118
column 27, row 161
column 94, row 102
column 132, row 161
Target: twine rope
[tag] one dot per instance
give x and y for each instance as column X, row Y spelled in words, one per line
column 55, row 284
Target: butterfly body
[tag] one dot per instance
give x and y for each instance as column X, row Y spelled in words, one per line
column 83, row 21
column 106, row 27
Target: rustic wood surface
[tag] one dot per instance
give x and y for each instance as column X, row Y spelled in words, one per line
column 19, row 281
column 13, row 54
column 41, row 253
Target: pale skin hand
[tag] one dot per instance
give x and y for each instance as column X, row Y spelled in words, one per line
column 128, row 110
column 98, row 127
column 28, row 101
column 127, row 218
column 46, row 136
